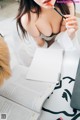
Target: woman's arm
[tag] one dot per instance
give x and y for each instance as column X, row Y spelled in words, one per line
column 72, row 11
column 32, row 30
column 40, row 42
column 71, row 23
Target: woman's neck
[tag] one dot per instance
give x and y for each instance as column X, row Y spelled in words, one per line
column 45, row 9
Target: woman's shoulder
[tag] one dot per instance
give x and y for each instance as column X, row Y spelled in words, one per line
column 28, row 20
column 25, row 20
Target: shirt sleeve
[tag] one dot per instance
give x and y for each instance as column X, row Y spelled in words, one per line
column 66, row 42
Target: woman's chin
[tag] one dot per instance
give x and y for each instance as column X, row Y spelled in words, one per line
column 47, row 7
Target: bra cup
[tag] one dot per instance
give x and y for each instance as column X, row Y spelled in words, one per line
column 48, row 38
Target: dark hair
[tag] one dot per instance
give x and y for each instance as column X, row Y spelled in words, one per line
column 27, row 6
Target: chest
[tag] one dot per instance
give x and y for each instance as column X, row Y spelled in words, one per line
column 48, row 22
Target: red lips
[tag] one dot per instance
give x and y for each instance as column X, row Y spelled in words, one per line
column 46, row 1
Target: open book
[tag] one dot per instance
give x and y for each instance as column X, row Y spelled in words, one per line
column 21, row 99
column 46, row 65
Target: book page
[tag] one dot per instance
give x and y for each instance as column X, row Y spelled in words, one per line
column 20, row 94
column 15, row 111
column 46, row 65
column 26, row 97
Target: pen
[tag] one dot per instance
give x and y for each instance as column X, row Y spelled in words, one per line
column 56, row 10
column 60, row 13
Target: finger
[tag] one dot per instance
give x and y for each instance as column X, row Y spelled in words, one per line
column 71, row 18
column 67, row 16
column 70, row 27
column 72, row 23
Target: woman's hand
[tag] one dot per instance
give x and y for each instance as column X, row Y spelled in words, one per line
column 71, row 25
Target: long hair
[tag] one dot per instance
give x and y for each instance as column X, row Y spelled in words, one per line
column 27, row 6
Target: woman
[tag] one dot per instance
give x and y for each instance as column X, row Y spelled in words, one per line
column 43, row 23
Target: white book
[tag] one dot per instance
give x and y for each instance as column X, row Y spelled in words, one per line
column 46, row 65
column 21, row 99
column 14, row 111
